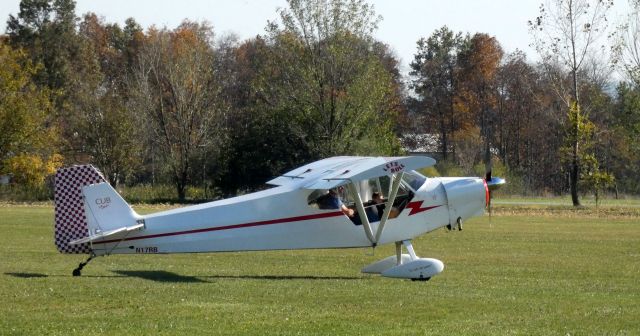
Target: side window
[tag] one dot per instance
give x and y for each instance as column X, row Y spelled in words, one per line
column 316, row 197
column 373, row 192
column 320, row 198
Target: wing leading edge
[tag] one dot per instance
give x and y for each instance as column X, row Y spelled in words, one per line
column 336, row 171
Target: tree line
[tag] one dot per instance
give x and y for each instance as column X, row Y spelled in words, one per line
column 188, row 107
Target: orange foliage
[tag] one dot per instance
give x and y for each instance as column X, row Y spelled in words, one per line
column 479, row 66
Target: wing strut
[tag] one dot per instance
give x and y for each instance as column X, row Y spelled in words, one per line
column 362, row 213
column 387, row 208
column 397, row 178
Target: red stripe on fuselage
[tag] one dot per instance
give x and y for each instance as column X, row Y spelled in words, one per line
column 416, row 207
column 229, row 227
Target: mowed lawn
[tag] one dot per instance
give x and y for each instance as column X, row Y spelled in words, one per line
column 525, row 273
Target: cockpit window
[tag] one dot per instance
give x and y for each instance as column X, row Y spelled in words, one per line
column 374, row 195
column 414, row 179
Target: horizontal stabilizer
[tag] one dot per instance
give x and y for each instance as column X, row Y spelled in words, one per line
column 116, row 233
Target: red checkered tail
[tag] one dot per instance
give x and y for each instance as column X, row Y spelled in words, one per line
column 88, row 209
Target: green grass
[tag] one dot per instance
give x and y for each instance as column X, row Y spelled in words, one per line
column 626, row 201
column 533, row 273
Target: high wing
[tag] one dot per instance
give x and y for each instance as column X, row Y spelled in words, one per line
column 336, row 171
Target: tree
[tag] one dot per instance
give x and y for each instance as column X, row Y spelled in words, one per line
column 46, row 29
column 628, row 47
column 594, row 178
column 259, row 145
column 106, row 129
column 434, row 72
column 30, row 171
column 478, row 94
column 565, row 36
column 516, row 90
column 177, row 90
column 326, row 79
column 625, row 146
column 27, row 131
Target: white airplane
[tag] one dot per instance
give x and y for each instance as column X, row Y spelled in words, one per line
column 325, row 204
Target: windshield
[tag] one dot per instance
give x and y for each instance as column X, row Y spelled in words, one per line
column 413, row 179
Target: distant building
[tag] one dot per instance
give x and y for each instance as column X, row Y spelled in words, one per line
column 5, row 179
column 429, row 144
column 425, row 144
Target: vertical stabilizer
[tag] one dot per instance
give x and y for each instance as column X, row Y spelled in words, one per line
column 70, row 217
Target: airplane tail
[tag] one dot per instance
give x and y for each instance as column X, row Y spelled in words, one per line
column 87, row 208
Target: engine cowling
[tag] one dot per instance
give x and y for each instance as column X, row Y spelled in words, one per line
column 466, row 197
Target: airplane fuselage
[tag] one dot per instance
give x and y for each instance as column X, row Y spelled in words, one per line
column 280, row 218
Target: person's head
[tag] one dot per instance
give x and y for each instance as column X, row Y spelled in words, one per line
column 376, row 197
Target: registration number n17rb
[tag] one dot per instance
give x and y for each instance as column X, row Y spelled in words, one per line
column 147, row 249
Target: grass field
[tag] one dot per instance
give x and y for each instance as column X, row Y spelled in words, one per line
column 529, row 272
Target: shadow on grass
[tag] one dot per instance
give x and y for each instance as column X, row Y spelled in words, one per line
column 160, row 276
column 27, row 275
column 279, row 277
column 164, row 276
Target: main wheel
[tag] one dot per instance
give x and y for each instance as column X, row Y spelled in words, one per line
column 420, row 279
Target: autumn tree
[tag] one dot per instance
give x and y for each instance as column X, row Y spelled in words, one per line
column 434, row 80
column 527, row 130
column 28, row 136
column 516, row 102
column 478, row 93
column 177, row 91
column 105, row 126
column 565, row 35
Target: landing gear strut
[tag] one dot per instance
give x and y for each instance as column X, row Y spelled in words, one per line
column 458, row 224
column 406, row 266
column 77, row 271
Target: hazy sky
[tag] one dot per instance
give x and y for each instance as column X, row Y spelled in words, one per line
column 404, row 21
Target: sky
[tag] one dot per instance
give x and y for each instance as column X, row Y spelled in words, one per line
column 404, row 21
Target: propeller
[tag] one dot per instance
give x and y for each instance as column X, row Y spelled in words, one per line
column 492, row 183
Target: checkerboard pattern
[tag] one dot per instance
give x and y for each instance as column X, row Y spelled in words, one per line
column 71, row 221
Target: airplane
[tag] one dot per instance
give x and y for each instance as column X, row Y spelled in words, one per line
column 92, row 218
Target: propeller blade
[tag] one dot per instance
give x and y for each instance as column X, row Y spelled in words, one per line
column 495, row 183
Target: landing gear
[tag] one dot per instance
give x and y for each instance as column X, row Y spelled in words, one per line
column 458, row 224
column 406, row 266
column 77, row 271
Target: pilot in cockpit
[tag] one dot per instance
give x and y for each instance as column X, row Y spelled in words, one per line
column 333, row 201
column 375, row 207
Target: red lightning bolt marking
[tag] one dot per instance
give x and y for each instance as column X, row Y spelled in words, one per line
column 416, row 207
